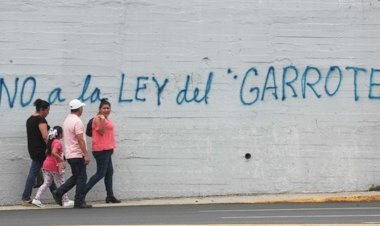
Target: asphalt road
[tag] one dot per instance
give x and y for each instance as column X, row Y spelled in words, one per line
column 306, row 213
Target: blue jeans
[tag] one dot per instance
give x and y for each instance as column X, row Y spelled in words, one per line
column 78, row 179
column 33, row 172
column 104, row 169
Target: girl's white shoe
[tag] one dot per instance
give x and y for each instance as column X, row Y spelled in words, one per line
column 38, row 203
column 69, row 203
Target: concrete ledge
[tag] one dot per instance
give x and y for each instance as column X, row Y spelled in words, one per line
column 268, row 198
column 360, row 198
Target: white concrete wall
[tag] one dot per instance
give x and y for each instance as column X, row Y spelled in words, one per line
column 300, row 141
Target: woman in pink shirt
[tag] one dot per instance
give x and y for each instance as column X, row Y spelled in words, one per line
column 53, row 166
column 103, row 145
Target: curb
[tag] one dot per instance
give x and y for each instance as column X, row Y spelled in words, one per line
column 360, row 198
column 237, row 199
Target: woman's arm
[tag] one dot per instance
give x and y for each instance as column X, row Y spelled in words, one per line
column 44, row 131
column 100, row 120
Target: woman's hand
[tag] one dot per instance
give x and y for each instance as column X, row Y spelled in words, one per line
column 101, row 122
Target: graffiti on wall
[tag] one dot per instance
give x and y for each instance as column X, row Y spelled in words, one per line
column 281, row 84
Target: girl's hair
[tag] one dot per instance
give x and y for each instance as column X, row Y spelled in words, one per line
column 104, row 101
column 54, row 132
column 41, row 104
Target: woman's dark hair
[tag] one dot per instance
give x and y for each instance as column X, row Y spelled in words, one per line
column 52, row 137
column 41, row 104
column 104, row 101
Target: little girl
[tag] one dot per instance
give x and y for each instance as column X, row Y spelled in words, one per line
column 53, row 166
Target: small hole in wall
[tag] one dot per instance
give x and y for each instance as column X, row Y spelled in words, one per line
column 247, row 156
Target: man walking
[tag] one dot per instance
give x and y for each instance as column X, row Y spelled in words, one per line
column 76, row 154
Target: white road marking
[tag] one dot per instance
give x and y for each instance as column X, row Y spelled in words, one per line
column 304, row 216
column 290, row 209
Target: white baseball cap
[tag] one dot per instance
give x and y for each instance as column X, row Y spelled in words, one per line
column 75, row 104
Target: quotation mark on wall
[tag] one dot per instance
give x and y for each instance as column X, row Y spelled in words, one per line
column 229, row 72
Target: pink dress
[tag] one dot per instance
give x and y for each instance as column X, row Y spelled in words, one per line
column 50, row 163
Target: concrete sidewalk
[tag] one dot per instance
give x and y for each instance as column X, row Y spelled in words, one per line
column 246, row 199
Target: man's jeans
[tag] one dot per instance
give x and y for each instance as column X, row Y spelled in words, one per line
column 104, row 168
column 78, row 179
column 33, row 172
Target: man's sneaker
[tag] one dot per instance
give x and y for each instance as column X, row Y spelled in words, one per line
column 57, row 197
column 26, row 202
column 38, row 203
column 83, row 205
column 69, row 203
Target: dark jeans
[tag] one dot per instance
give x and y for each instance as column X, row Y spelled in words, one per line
column 78, row 179
column 104, row 168
column 33, row 172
